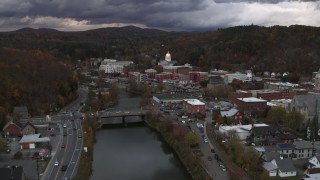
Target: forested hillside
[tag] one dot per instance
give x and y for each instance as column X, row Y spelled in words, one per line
column 295, row 49
column 34, row 79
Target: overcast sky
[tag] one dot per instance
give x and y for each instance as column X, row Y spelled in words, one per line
column 176, row 15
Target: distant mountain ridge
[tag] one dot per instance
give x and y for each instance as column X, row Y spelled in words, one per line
column 294, row 49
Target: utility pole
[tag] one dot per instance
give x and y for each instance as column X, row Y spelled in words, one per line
column 38, row 168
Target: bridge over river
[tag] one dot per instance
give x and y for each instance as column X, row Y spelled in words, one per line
column 122, row 116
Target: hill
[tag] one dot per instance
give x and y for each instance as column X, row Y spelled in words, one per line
column 294, row 49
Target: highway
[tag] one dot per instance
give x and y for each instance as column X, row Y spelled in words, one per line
column 68, row 155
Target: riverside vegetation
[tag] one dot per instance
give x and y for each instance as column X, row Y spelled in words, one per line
column 183, row 141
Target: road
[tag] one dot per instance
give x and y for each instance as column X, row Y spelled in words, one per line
column 70, row 154
column 212, row 167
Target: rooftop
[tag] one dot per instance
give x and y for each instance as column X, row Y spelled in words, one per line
column 194, row 102
column 33, row 138
column 252, row 99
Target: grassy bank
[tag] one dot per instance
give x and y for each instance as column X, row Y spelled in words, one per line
column 90, row 125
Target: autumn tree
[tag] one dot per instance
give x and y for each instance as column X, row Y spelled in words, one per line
column 276, row 115
column 192, row 139
column 294, row 120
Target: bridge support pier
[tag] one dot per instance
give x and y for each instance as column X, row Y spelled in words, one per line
column 124, row 121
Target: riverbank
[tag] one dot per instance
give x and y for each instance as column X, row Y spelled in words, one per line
column 189, row 156
column 90, row 126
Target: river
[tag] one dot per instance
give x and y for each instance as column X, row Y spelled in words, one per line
column 134, row 152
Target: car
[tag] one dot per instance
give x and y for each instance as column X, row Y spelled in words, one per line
column 64, row 168
column 64, row 125
column 79, row 136
column 213, row 151
column 74, row 129
column 209, row 158
column 64, row 133
column 63, row 145
column 205, row 139
column 199, row 125
column 223, row 168
column 52, row 134
column 183, row 122
column 217, row 157
column 56, row 163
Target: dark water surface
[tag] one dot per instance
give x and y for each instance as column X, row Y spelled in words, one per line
column 134, row 152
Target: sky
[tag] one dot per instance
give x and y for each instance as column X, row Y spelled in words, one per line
column 169, row 15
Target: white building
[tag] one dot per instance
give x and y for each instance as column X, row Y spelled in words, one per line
column 137, row 76
column 228, row 78
column 242, row 131
column 113, row 66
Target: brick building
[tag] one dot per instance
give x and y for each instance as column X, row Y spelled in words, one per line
column 141, row 68
column 251, row 106
column 151, row 73
column 163, row 76
column 12, row 129
column 197, row 76
column 194, row 106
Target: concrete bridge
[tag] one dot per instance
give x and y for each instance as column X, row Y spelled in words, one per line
column 120, row 116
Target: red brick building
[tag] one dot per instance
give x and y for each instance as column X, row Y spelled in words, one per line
column 163, row 76
column 12, row 129
column 251, row 106
column 197, row 76
column 194, row 106
column 151, row 73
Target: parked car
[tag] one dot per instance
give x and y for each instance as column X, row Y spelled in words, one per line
column 223, row 168
column 64, row 125
column 56, row 163
column 209, row 158
column 213, row 151
column 217, row 157
column 205, row 139
column 63, row 145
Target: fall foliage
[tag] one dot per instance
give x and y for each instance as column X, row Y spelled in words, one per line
column 34, row 79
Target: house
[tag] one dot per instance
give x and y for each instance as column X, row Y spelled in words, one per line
column 303, row 149
column 314, row 162
column 12, row 129
column 312, row 174
column 269, row 156
column 21, row 111
column 233, row 114
column 242, row 131
column 30, row 141
column 12, row 173
column 28, row 128
column 270, row 168
column 264, row 135
column 285, row 167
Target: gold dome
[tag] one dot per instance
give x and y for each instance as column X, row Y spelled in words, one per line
column 168, row 56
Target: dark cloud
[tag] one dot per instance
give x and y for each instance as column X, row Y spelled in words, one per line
column 166, row 14
column 262, row 1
